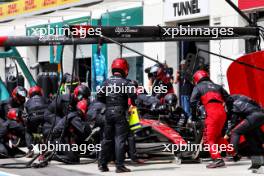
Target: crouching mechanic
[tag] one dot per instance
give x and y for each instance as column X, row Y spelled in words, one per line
column 12, row 130
column 251, row 117
column 176, row 115
column 212, row 97
column 72, row 130
column 147, row 105
column 17, row 100
column 96, row 116
column 116, row 127
column 35, row 108
column 61, row 105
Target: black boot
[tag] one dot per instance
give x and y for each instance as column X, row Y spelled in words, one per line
column 237, row 157
column 254, row 166
column 103, row 168
column 121, row 169
column 216, row 163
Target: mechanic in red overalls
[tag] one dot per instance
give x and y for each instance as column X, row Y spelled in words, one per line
column 212, row 97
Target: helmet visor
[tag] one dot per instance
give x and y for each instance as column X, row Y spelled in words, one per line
column 21, row 95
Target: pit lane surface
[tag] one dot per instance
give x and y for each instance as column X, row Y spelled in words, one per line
column 158, row 169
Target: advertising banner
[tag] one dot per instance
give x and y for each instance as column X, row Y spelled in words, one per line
column 21, row 8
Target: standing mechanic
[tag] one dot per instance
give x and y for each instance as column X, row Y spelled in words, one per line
column 251, row 117
column 116, row 127
column 212, row 97
column 186, row 87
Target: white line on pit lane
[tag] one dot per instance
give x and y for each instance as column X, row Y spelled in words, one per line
column 6, row 174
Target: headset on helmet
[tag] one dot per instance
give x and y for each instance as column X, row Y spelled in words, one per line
column 81, row 92
column 35, row 90
column 199, row 75
column 82, row 107
column 120, row 65
column 19, row 94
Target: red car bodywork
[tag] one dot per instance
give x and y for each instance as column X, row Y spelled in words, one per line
column 246, row 80
column 173, row 136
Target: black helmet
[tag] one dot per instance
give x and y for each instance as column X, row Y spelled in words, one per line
column 171, row 99
column 81, row 92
